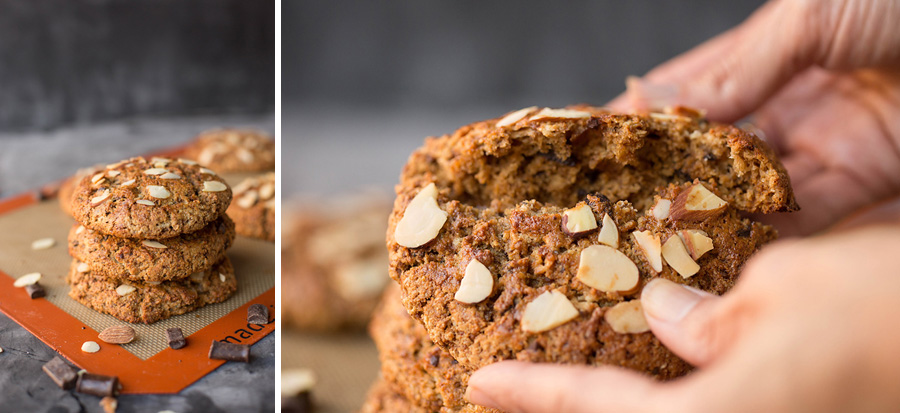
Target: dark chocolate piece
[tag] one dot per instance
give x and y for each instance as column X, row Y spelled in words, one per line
column 300, row 403
column 176, row 338
column 61, row 373
column 258, row 314
column 223, row 350
column 98, row 385
column 35, row 291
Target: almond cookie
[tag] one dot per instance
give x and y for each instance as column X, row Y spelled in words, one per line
column 155, row 199
column 334, row 265
column 145, row 302
column 412, row 365
column 530, row 237
column 253, row 209
column 67, row 187
column 233, row 150
column 151, row 260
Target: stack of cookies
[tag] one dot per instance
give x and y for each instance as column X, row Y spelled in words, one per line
column 150, row 240
column 530, row 237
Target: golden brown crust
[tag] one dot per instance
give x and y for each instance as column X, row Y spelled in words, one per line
column 505, row 189
column 149, row 303
column 253, row 209
column 110, row 203
column 412, row 365
column 233, row 150
column 131, row 259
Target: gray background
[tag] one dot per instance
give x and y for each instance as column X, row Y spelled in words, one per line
column 365, row 81
column 88, row 81
column 81, row 61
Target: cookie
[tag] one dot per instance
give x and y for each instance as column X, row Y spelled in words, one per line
column 233, row 150
column 154, row 261
column 383, row 398
column 145, row 302
column 67, row 187
column 334, row 265
column 253, row 209
column 412, row 365
column 155, row 199
column 525, row 200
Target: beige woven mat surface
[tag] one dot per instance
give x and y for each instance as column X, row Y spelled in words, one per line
column 253, row 260
column 345, row 366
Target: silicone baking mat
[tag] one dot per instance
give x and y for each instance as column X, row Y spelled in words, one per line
column 146, row 365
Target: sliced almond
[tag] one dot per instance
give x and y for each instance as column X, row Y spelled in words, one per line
column 609, row 233
column 43, row 243
column 422, row 220
column 125, row 289
column 170, row 175
column 248, row 199
column 696, row 241
column 578, row 221
column 99, row 199
column 214, row 186
column 113, row 174
column 296, row 381
column 146, row 202
column 547, row 113
column 547, row 311
column 155, row 171
column 186, row 161
column 678, row 257
column 515, row 116
column 651, row 247
column 120, row 334
column 157, row 160
column 27, row 279
column 128, row 182
column 607, row 269
column 476, row 285
column 221, row 277
column 627, row 318
column 267, row 191
column 244, row 155
column 153, row 244
column 159, row 192
column 207, row 171
column 82, row 267
column 207, row 155
column 80, row 229
column 96, row 178
column 90, row 347
column 661, row 209
column 696, row 203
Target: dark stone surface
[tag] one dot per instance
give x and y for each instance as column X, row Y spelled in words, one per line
column 66, row 62
column 30, row 160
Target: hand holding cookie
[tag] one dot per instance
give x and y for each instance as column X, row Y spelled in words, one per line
column 781, row 340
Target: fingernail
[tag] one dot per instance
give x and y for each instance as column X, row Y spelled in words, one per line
column 475, row 396
column 667, row 301
column 647, row 95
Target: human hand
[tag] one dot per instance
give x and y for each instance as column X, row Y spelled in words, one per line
column 811, row 326
column 821, row 79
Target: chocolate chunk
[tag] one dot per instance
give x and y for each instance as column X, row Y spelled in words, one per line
column 258, row 314
column 300, row 403
column 98, row 385
column 35, row 291
column 176, row 338
column 223, row 350
column 434, row 360
column 744, row 232
column 61, row 373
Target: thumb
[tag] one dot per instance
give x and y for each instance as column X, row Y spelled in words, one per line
column 695, row 325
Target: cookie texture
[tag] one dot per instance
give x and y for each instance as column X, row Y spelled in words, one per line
column 154, row 261
column 67, row 187
column 233, row 150
column 143, row 302
column 334, row 265
column 505, row 186
column 253, row 209
column 150, row 199
column 412, row 365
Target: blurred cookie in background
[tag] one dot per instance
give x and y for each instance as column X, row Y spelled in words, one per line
column 253, row 208
column 233, row 150
column 67, row 187
column 334, row 261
